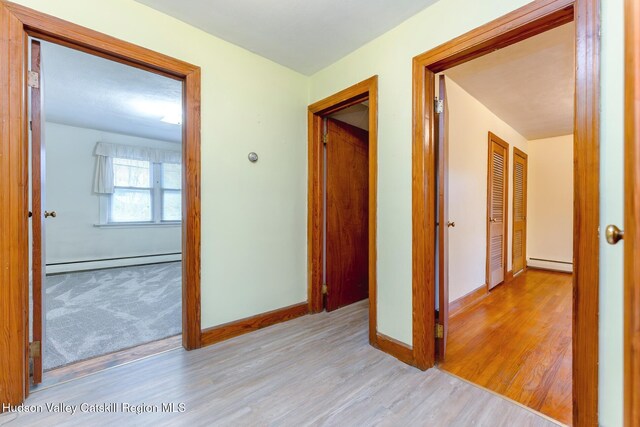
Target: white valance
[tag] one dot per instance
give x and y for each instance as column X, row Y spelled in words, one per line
column 153, row 155
column 106, row 152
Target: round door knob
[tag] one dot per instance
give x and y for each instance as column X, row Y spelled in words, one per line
column 48, row 214
column 613, row 234
column 451, row 224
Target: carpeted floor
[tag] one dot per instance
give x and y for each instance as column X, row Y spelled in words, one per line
column 97, row 312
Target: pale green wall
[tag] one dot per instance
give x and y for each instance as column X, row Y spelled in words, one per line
column 253, row 215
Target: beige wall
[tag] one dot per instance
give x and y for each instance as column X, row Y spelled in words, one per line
column 469, row 124
column 550, row 202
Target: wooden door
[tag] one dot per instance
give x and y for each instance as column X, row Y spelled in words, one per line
column 37, row 211
column 347, row 233
column 497, row 211
column 442, row 159
column 519, row 235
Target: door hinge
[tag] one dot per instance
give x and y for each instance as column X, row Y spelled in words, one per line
column 325, row 138
column 438, row 105
column 325, row 290
column 34, row 349
column 439, row 330
column 33, row 79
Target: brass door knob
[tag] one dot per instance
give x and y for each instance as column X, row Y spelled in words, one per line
column 492, row 220
column 451, row 224
column 48, row 214
column 613, row 234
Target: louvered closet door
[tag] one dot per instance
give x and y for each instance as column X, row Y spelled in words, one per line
column 497, row 211
column 519, row 210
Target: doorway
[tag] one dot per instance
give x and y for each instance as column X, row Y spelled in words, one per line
column 346, row 235
column 530, row 20
column 106, row 209
column 510, row 328
column 25, row 23
column 342, row 230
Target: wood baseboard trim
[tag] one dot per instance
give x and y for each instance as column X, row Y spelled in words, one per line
column 465, row 301
column 395, row 348
column 239, row 327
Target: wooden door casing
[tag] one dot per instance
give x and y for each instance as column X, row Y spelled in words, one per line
column 442, row 156
column 347, row 232
column 519, row 233
column 37, row 208
column 497, row 217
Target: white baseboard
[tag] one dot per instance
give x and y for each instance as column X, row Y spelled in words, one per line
column 110, row 263
column 550, row 265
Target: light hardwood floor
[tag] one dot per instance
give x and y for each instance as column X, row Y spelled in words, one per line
column 517, row 342
column 314, row 370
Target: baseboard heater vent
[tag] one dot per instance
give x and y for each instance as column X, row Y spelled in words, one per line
column 98, row 264
column 550, row 264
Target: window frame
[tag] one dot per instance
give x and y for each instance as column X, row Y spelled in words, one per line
column 156, row 191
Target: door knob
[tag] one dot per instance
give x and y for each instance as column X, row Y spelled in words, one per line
column 451, row 224
column 48, row 214
column 492, row 220
column 613, row 234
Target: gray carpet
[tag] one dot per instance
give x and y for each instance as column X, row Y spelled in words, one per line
column 97, row 312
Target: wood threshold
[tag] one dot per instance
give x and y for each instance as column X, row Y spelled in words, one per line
column 94, row 365
column 364, row 90
column 239, row 327
column 467, row 300
column 17, row 23
column 532, row 19
column 395, row 348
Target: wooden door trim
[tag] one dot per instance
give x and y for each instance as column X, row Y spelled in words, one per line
column 16, row 24
column 365, row 90
column 519, row 153
column 529, row 20
column 632, row 217
column 505, row 210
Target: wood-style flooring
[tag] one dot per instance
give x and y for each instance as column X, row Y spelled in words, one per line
column 311, row 371
column 517, row 342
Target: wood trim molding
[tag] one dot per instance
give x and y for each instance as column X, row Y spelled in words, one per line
column 529, row 20
column 632, row 216
column 239, row 327
column 16, row 23
column 395, row 348
column 467, row 300
column 365, row 90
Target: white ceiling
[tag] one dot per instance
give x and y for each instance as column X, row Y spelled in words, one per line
column 529, row 84
column 92, row 92
column 356, row 115
column 303, row 35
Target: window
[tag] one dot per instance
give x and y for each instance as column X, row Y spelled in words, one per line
column 145, row 192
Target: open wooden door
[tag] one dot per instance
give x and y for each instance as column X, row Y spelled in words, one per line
column 38, row 215
column 519, row 237
column 497, row 211
column 442, row 159
column 347, row 234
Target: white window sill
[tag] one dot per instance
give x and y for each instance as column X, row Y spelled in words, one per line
column 139, row 224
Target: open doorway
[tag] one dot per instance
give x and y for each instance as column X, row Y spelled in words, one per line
column 106, row 184
column 342, row 200
column 508, row 163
